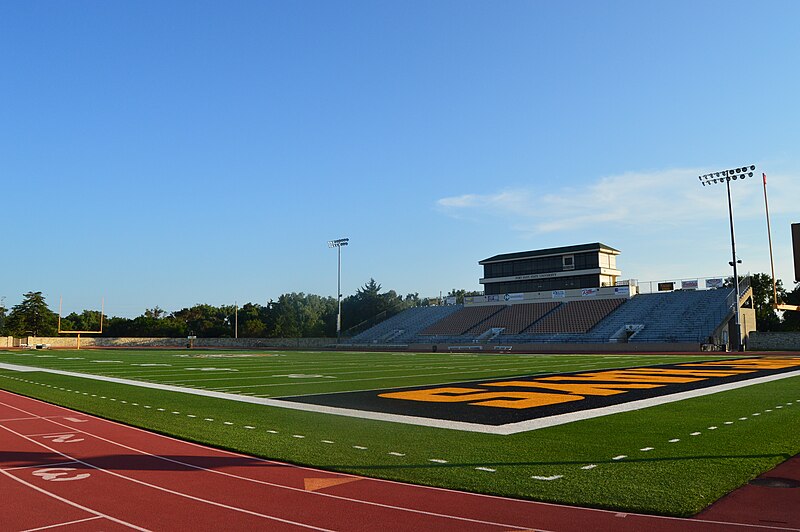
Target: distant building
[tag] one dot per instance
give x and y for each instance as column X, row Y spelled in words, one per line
column 543, row 270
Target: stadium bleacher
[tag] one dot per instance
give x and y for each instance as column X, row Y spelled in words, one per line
column 576, row 316
column 678, row 316
column 404, row 326
column 462, row 321
column 514, row 319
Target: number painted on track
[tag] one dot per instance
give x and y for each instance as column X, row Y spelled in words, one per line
column 64, row 438
column 75, row 420
column 57, row 474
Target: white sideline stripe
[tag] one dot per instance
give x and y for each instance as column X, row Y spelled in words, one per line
column 72, row 503
column 14, row 367
column 262, row 482
column 160, row 488
column 57, row 525
column 509, row 428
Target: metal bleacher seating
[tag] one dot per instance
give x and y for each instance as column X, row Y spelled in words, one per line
column 462, row 321
column 404, row 326
column 679, row 316
column 684, row 316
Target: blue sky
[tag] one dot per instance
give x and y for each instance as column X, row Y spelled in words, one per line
column 170, row 153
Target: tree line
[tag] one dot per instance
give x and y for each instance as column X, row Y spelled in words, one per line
column 298, row 315
column 293, row 315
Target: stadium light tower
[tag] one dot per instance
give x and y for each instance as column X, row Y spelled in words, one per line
column 338, row 243
column 726, row 176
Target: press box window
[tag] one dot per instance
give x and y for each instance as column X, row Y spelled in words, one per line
column 568, row 262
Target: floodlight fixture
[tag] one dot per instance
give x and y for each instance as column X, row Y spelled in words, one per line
column 726, row 176
column 338, row 244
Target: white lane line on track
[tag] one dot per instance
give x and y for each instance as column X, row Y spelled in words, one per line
column 159, row 488
column 59, row 525
column 47, row 434
column 56, row 464
column 272, row 484
column 71, row 503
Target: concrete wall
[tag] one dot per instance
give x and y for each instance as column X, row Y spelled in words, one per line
column 774, row 341
column 232, row 343
column 633, row 347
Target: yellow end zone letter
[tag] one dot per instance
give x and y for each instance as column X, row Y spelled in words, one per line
column 480, row 397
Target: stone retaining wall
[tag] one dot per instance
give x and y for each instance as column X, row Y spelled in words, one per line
column 774, row 341
column 230, row 343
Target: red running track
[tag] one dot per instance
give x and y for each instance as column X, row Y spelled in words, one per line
column 63, row 470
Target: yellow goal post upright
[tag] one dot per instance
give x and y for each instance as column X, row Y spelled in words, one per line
column 796, row 252
column 79, row 333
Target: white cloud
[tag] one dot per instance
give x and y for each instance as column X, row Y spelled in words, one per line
column 666, row 223
column 665, row 199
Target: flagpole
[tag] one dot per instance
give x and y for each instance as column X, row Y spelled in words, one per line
column 769, row 236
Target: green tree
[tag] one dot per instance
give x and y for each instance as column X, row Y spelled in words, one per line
column 299, row 315
column 253, row 319
column 88, row 320
column 208, row 321
column 2, row 316
column 767, row 319
column 460, row 294
column 32, row 317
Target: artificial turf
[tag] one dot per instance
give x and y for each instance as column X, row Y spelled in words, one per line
column 655, row 475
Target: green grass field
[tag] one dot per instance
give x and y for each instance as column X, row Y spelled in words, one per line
column 673, row 462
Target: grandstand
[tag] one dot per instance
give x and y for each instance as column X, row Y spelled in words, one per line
column 607, row 314
column 404, row 327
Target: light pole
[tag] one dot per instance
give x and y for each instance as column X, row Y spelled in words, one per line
column 338, row 243
column 725, row 176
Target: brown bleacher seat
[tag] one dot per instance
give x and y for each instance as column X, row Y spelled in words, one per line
column 460, row 322
column 515, row 318
column 575, row 316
